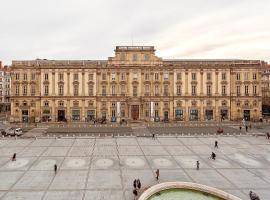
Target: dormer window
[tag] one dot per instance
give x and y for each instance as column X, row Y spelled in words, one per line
column 122, row 56
column 135, row 57
column 146, row 57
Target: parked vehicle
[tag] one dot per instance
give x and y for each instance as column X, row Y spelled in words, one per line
column 13, row 131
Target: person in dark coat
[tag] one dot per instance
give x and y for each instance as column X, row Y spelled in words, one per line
column 14, row 157
column 253, row 196
column 135, row 192
column 213, row 156
column 135, row 184
column 139, row 184
column 216, row 144
column 198, row 164
column 55, row 168
column 157, row 174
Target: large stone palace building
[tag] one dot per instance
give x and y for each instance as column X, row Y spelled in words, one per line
column 135, row 84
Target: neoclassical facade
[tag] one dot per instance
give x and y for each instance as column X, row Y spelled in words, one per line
column 135, row 84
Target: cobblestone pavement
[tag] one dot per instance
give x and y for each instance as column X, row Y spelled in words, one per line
column 104, row 168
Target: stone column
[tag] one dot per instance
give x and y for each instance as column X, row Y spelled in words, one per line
column 53, row 83
column 186, row 83
column 68, row 84
column 83, row 84
column 201, row 86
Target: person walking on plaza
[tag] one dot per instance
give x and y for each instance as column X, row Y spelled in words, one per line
column 246, row 128
column 157, row 174
column 153, row 136
column 213, row 156
column 253, row 196
column 267, row 135
column 198, row 164
column 55, row 168
column 135, row 194
column 139, row 184
column 135, row 184
column 14, row 157
column 240, row 128
column 216, row 144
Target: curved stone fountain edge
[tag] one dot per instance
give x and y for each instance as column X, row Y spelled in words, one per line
column 187, row 185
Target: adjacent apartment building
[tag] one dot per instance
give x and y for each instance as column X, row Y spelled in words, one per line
column 135, row 84
column 4, row 88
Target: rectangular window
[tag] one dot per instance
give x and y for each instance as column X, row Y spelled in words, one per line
column 90, row 77
column 33, row 76
column 166, row 76
column 254, row 89
column 91, row 90
column 76, row 90
column 25, row 90
column 209, row 90
column 61, row 77
column 122, row 113
column 75, row 77
column 113, row 90
column 193, row 90
column 156, row 90
column 156, row 76
column 104, row 76
column 166, row 90
column 134, row 91
column 17, row 76
column 61, row 90
column 123, row 76
column 46, row 76
column 223, row 90
column 113, row 76
column 193, row 76
column 123, row 89
column 208, row 76
column 254, row 76
column 178, row 90
column 156, row 113
column 122, row 56
column 147, row 76
column 33, row 90
column 135, row 57
column 135, row 76
column 103, row 90
column 46, row 90
column 25, row 77
column 17, row 91
column 146, row 57
column 147, row 90
column 246, row 89
column 179, row 76
column 246, row 76
column 238, row 77
column 223, row 76
column 238, row 90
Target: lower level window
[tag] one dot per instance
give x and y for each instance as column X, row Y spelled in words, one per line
column 75, row 115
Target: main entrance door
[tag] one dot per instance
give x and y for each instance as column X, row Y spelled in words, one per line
column 135, row 112
column 247, row 115
column 25, row 116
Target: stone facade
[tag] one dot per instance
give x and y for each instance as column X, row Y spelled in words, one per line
column 266, row 90
column 4, row 88
column 136, row 84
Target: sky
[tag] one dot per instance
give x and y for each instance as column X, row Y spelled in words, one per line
column 90, row 29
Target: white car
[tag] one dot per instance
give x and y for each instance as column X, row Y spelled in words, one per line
column 14, row 131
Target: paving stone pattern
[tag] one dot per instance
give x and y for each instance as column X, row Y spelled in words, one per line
column 104, row 168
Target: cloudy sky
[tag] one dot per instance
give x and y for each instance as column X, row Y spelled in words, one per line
column 90, row 29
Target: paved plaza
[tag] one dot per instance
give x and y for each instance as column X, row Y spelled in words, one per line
column 104, row 168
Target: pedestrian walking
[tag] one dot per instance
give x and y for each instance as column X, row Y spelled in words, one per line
column 135, row 193
column 157, row 174
column 240, row 128
column 135, row 184
column 139, row 184
column 213, row 156
column 253, row 196
column 55, row 168
column 216, row 144
column 268, row 135
column 14, row 157
column 198, row 165
column 246, row 128
column 153, row 136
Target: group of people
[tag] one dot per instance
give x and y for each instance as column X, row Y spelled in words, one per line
column 137, row 186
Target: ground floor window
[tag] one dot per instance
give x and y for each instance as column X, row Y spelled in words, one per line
column 224, row 114
column 90, row 115
column 208, row 114
column 75, row 115
column 179, row 114
column 123, row 113
column 246, row 115
column 25, row 116
column 166, row 115
column 103, row 114
column 156, row 113
column 194, row 114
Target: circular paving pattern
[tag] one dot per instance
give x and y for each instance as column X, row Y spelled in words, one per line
column 104, row 162
column 76, row 163
column 162, row 162
column 135, row 162
column 17, row 164
column 47, row 164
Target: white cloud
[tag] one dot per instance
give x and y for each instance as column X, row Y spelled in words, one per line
column 82, row 29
